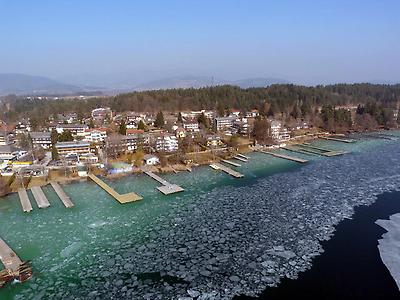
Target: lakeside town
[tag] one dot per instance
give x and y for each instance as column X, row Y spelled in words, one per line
column 68, row 146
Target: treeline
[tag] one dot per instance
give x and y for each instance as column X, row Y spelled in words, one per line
column 287, row 99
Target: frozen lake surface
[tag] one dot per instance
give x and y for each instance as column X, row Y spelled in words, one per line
column 389, row 246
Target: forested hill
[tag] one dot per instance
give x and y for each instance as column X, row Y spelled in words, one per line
column 271, row 100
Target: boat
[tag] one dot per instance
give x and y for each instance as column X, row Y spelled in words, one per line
column 22, row 274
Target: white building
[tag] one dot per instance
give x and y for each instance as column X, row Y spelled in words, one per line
column 3, row 138
column 42, row 139
column 167, row 143
column 223, row 123
column 241, row 126
column 253, row 113
column 75, row 129
column 79, row 148
column 191, row 126
column 151, row 160
column 101, row 113
column 279, row 133
column 10, row 153
column 95, row 135
column 23, row 127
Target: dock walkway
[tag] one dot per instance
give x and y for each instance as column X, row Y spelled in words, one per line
column 324, row 151
column 8, row 257
column 243, row 156
column 240, row 158
column 166, row 188
column 218, row 166
column 301, row 151
column 230, row 163
column 339, row 140
column 62, row 195
column 295, row 159
column 40, row 197
column 125, row 198
column 381, row 136
column 25, row 203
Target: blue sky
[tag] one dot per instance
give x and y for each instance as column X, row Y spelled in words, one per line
column 306, row 42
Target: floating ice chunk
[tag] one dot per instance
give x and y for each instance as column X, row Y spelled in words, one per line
column 389, row 246
column 97, row 224
column 71, row 249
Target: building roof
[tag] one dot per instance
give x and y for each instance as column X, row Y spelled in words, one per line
column 72, row 144
column 8, row 149
column 38, row 135
column 134, row 131
column 149, row 156
column 101, row 129
column 72, row 126
column 180, row 129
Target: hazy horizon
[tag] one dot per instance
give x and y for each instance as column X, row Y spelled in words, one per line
column 105, row 43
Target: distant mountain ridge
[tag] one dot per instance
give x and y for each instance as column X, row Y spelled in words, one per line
column 22, row 84
column 203, row 81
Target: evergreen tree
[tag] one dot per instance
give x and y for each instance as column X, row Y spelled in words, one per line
column 54, row 153
column 296, row 112
column 122, row 128
column 202, row 119
column 91, row 123
column 54, row 136
column 23, row 141
column 66, row 136
column 141, row 125
column 306, row 109
column 180, row 119
column 159, row 120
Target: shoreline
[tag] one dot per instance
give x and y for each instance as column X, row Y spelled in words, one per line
column 176, row 168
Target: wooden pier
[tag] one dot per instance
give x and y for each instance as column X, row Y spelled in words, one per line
column 40, row 197
column 240, row 158
column 243, row 156
column 324, row 151
column 230, row 163
column 125, row 198
column 301, row 151
column 15, row 269
column 218, row 166
column 283, row 156
column 25, row 203
column 8, row 257
column 166, row 188
column 339, row 140
column 62, row 195
column 382, row 136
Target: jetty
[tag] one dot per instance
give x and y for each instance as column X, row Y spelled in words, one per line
column 338, row 140
column 218, row 166
column 324, row 151
column 230, row 163
column 62, row 195
column 243, row 156
column 284, row 156
column 301, row 151
column 240, row 158
column 8, row 257
column 25, row 203
column 14, row 267
column 40, row 197
column 166, row 188
column 382, row 136
column 125, row 198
